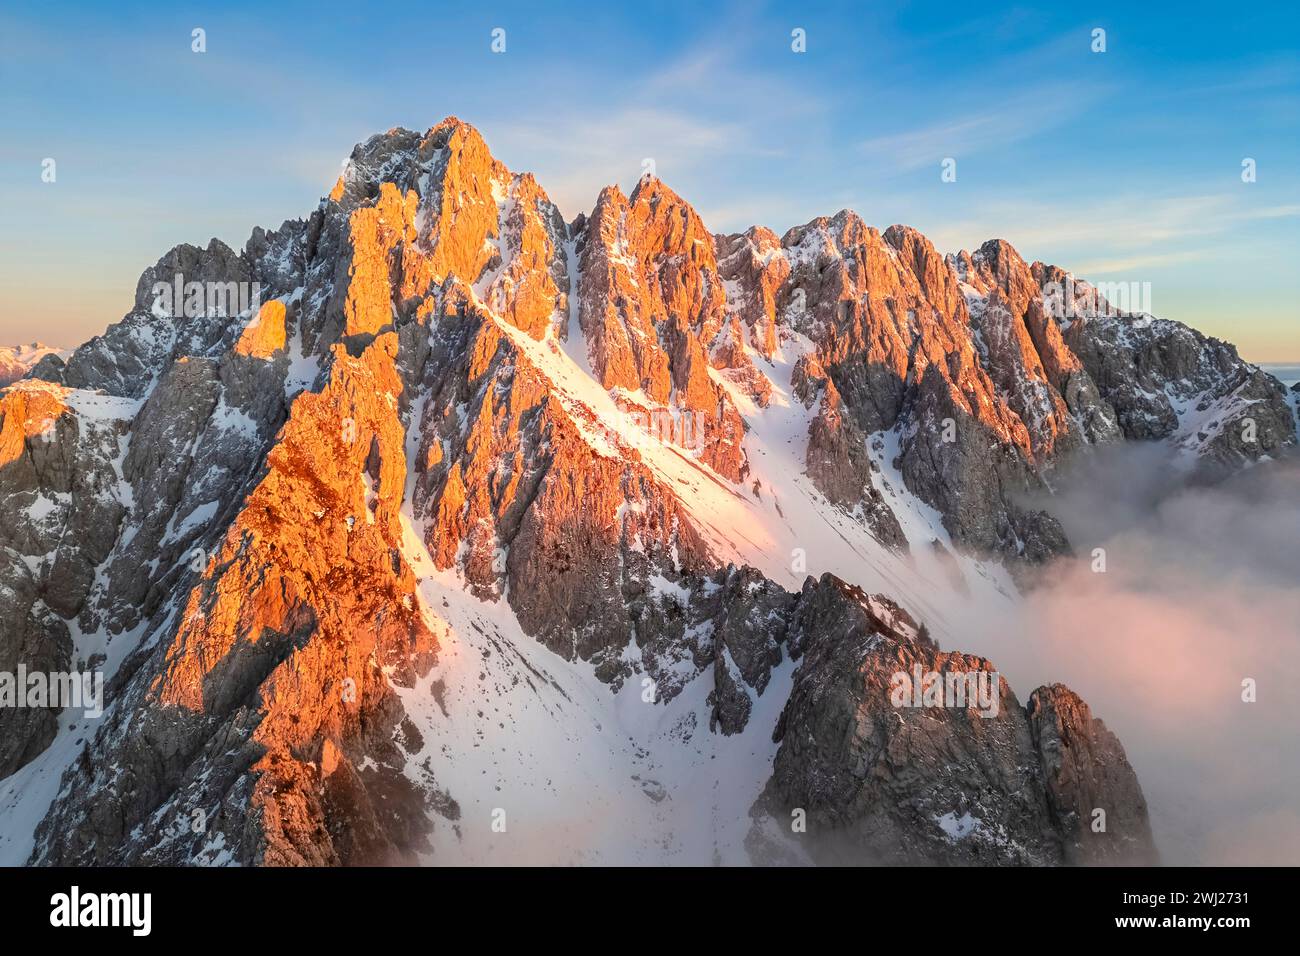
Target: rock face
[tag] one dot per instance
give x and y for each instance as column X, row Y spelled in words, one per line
column 276, row 502
column 986, row 384
column 653, row 311
column 511, row 493
column 1166, row 381
column 894, row 352
column 60, row 519
column 276, row 680
column 986, row 782
column 839, row 462
column 1086, row 772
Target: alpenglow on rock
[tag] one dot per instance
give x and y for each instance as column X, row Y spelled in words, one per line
column 609, row 525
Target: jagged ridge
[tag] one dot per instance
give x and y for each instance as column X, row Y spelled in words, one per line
column 440, row 375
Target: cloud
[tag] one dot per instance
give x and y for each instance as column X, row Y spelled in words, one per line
column 1136, row 230
column 1128, row 264
column 688, row 116
column 929, row 145
column 1199, row 594
column 574, row 157
column 986, row 121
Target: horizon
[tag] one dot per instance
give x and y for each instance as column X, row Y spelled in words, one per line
column 1122, row 165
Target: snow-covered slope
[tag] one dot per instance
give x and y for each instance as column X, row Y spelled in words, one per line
column 483, row 536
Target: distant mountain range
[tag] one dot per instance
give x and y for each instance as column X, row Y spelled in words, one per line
column 17, row 360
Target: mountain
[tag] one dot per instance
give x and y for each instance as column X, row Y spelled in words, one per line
column 434, row 528
column 17, row 360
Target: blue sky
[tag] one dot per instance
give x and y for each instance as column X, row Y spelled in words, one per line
column 1120, row 166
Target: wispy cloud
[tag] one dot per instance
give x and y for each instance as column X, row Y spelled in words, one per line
column 1031, row 114
column 1128, row 224
column 685, row 116
column 574, row 156
column 930, row 144
column 1103, row 267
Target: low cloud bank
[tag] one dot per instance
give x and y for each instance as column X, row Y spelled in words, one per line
column 1201, row 591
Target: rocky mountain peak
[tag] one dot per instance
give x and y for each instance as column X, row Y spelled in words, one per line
column 455, row 478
